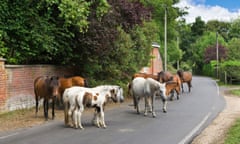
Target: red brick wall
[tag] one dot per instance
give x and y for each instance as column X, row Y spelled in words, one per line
column 3, row 77
column 19, row 84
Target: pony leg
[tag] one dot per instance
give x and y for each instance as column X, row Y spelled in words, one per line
column 80, row 117
column 66, row 118
column 97, row 117
column 137, row 107
column 178, row 92
column 70, row 115
column 102, row 123
column 53, row 105
column 94, row 120
column 75, row 118
column 164, row 105
column 189, row 86
column 36, row 107
column 153, row 112
column 146, row 106
column 45, row 108
column 182, row 87
column 172, row 95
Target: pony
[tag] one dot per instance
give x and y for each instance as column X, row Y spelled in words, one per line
column 71, row 81
column 77, row 98
column 144, row 75
column 186, row 77
column 148, row 89
column 47, row 88
column 164, row 76
column 177, row 88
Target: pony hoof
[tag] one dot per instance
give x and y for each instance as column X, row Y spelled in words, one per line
column 164, row 111
column 81, row 128
column 104, row 127
column 154, row 115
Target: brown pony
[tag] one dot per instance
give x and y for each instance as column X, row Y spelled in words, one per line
column 177, row 87
column 47, row 88
column 186, row 77
column 71, row 81
column 144, row 75
column 164, row 76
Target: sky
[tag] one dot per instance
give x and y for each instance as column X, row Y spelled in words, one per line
column 222, row 10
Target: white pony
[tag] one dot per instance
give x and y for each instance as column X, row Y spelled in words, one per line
column 79, row 97
column 148, row 89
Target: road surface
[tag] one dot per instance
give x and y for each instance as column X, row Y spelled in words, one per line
column 185, row 118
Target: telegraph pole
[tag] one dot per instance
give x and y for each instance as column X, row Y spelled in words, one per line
column 217, row 57
column 165, row 38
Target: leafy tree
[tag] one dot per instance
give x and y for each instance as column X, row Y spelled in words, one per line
column 198, row 49
column 198, row 27
column 218, row 26
column 233, row 49
column 234, row 31
column 210, row 53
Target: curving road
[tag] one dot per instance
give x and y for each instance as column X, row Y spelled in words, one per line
column 183, row 121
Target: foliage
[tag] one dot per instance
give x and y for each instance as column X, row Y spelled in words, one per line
column 210, row 53
column 234, row 31
column 209, row 68
column 233, row 49
column 218, row 26
column 232, row 68
column 198, row 48
column 198, row 27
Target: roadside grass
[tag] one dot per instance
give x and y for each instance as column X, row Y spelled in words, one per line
column 235, row 92
column 233, row 134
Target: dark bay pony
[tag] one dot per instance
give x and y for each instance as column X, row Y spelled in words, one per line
column 186, row 77
column 46, row 87
column 71, row 81
column 164, row 76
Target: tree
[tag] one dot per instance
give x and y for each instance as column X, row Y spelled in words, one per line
column 233, row 49
column 198, row 49
column 198, row 27
column 210, row 53
column 234, row 31
column 218, row 26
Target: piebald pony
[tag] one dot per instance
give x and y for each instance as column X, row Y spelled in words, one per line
column 80, row 97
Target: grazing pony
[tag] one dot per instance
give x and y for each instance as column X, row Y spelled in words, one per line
column 77, row 98
column 47, row 88
column 186, row 77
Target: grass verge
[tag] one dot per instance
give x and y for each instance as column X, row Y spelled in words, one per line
column 233, row 134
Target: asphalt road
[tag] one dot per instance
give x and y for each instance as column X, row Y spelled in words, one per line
column 185, row 118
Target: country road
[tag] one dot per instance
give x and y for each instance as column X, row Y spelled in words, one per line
column 185, row 118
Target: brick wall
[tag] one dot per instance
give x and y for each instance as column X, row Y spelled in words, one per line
column 3, row 78
column 16, row 91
